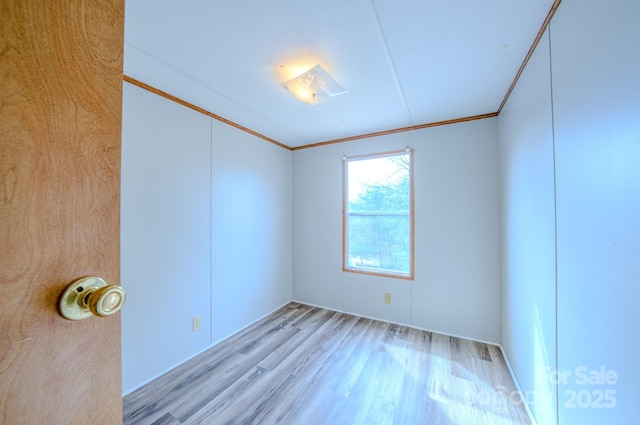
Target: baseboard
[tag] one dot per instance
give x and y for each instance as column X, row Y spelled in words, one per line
column 158, row 375
column 223, row 339
column 399, row 323
column 525, row 402
column 196, row 354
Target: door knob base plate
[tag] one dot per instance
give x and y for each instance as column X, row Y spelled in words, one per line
column 72, row 303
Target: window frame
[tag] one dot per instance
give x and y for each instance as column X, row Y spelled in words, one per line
column 345, row 214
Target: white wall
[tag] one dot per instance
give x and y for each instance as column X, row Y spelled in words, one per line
column 252, row 230
column 164, row 233
column 457, row 249
column 596, row 102
column 575, row 117
column 528, row 234
column 200, row 202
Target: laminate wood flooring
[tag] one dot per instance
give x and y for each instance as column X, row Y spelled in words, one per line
column 304, row 365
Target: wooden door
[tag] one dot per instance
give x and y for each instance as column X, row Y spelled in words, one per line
column 60, row 120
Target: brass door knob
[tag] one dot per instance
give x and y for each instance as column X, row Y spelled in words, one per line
column 90, row 296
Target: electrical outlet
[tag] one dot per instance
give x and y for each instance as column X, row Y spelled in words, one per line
column 387, row 298
column 197, row 323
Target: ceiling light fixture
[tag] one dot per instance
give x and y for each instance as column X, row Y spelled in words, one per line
column 314, row 86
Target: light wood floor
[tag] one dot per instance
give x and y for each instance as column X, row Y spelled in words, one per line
column 303, row 365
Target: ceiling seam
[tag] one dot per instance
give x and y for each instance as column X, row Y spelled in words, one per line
column 543, row 28
column 412, row 127
column 394, row 74
column 390, row 61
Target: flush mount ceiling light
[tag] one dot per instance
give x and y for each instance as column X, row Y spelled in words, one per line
column 314, row 86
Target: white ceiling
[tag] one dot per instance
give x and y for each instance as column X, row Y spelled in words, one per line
column 404, row 62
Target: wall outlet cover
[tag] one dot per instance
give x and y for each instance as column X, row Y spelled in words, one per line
column 197, row 324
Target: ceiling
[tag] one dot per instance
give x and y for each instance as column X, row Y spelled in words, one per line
column 404, row 63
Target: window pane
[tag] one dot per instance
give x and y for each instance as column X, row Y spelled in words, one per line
column 380, row 243
column 379, row 184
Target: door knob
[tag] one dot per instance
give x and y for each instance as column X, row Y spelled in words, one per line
column 90, row 296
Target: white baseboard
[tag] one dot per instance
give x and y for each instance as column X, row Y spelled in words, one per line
column 515, row 381
column 158, row 375
column 196, row 354
column 399, row 323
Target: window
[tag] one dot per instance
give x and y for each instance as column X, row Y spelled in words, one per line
column 378, row 214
